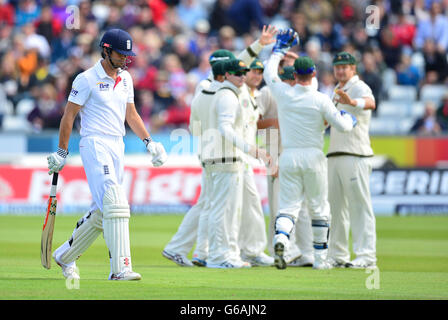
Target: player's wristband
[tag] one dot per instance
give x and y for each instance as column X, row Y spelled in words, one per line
column 147, row 141
column 62, row 153
column 360, row 103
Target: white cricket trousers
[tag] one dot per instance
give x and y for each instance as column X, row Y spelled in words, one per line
column 351, row 207
column 301, row 240
column 303, row 176
column 102, row 158
column 194, row 226
column 252, row 234
column 225, row 213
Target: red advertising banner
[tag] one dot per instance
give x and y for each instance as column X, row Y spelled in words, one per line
column 148, row 189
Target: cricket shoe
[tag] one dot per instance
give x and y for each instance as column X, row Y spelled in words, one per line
column 339, row 264
column 302, row 261
column 125, row 275
column 291, row 255
column 69, row 271
column 361, row 264
column 198, row 262
column 280, row 242
column 232, row 264
column 262, row 260
column 320, row 260
column 179, row 259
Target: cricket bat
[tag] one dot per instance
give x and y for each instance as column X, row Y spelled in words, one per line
column 47, row 230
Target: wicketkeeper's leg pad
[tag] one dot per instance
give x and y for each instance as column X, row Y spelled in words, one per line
column 116, row 214
column 320, row 233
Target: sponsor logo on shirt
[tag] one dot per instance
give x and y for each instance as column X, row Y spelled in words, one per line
column 74, row 92
column 103, row 86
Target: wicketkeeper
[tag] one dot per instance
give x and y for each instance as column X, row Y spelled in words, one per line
column 302, row 164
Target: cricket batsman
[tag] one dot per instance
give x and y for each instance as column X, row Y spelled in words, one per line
column 104, row 97
column 302, row 164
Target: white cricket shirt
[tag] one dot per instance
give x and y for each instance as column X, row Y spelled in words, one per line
column 302, row 110
column 356, row 142
column 103, row 101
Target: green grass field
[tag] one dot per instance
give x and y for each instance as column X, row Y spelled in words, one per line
column 412, row 261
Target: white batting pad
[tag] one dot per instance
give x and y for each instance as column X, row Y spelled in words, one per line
column 116, row 228
column 87, row 229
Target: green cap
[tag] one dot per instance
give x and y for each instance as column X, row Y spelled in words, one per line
column 234, row 66
column 343, row 58
column 220, row 55
column 304, row 65
column 218, row 68
column 257, row 64
column 287, row 73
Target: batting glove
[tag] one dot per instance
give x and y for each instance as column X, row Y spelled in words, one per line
column 56, row 161
column 346, row 114
column 157, row 152
column 285, row 40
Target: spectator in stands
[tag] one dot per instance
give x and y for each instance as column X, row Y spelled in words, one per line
column 5, row 38
column 442, row 113
column 32, row 40
column 47, row 113
column 327, row 84
column 316, row 11
column 436, row 65
column 202, row 71
column 180, row 48
column 163, row 98
column 300, row 25
column 6, row 13
column 246, row 15
column 28, row 11
column 371, row 75
column 199, row 41
column 218, row 16
column 61, row 45
column 407, row 73
column 428, row 124
column 48, row 26
column 190, row 12
column 177, row 76
column 403, row 30
column 435, row 27
column 145, row 106
column 9, row 76
column 330, row 36
column 226, row 38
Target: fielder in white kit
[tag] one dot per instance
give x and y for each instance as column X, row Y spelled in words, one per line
column 252, row 231
column 195, row 223
column 223, row 161
column 300, row 250
column 104, row 96
column 302, row 164
column 349, row 168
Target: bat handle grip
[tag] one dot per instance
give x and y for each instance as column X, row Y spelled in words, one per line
column 54, row 183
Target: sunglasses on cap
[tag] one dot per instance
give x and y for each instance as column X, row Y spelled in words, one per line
column 238, row 73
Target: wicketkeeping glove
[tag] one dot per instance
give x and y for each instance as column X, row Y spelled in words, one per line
column 56, row 160
column 348, row 114
column 157, row 152
column 285, row 40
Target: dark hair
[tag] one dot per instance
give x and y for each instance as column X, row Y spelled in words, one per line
column 304, row 77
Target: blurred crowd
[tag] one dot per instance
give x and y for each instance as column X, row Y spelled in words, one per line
column 45, row 44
